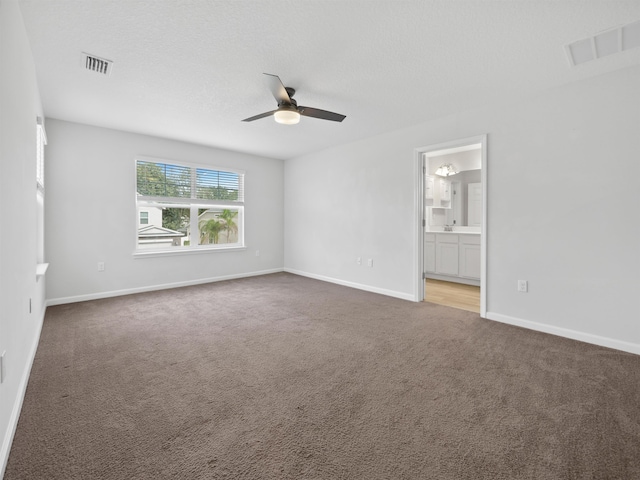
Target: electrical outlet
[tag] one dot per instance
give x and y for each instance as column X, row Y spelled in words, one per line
column 359, row 260
column 101, row 266
column 3, row 368
column 257, row 253
column 523, row 286
column 370, row 262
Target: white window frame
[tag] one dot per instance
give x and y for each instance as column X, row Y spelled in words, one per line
column 41, row 141
column 194, row 204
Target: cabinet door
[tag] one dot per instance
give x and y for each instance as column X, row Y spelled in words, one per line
column 445, row 191
column 447, row 258
column 428, row 187
column 430, row 257
column 470, row 261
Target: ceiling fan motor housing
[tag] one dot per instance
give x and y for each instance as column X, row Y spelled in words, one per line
column 288, row 111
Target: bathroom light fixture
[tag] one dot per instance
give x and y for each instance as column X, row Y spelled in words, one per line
column 286, row 116
column 446, row 169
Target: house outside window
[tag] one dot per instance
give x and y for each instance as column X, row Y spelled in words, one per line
column 184, row 207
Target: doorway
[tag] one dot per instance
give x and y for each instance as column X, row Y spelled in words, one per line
column 451, row 193
column 452, row 294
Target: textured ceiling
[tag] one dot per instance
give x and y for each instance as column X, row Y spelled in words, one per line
column 192, row 70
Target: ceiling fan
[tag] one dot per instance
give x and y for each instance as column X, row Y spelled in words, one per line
column 288, row 111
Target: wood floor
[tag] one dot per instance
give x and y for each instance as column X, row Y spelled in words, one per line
column 457, row 295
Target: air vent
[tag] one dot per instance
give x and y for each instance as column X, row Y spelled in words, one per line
column 96, row 64
column 606, row 43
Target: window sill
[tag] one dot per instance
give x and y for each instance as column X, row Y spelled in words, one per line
column 41, row 269
column 185, row 251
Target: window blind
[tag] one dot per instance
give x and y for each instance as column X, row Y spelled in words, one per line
column 157, row 179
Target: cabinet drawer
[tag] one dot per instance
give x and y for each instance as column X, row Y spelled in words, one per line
column 446, row 238
column 470, row 239
column 429, row 237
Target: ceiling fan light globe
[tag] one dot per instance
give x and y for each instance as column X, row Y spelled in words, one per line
column 287, row 117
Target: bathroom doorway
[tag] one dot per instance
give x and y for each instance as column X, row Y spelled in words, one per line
column 452, row 294
column 451, row 240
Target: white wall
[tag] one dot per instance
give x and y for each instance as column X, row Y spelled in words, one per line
column 553, row 218
column 91, row 195
column 19, row 328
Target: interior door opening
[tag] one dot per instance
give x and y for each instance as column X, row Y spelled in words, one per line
column 452, row 294
column 452, row 190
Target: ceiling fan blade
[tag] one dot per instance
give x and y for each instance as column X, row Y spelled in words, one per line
column 258, row 117
column 277, row 89
column 322, row 114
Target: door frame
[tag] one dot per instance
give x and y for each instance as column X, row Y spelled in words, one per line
column 420, row 214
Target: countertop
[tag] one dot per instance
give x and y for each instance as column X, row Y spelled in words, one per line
column 455, row 232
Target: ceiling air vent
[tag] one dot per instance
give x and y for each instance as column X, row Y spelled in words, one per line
column 612, row 41
column 96, row 64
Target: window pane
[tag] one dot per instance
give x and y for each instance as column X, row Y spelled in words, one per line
column 217, row 185
column 40, row 156
column 218, row 226
column 167, row 227
column 163, row 180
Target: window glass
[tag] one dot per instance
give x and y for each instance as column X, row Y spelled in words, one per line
column 168, row 227
column 218, row 226
column 175, row 200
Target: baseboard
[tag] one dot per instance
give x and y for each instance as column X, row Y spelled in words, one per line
column 446, row 278
column 567, row 333
column 5, row 449
column 359, row 286
column 151, row 288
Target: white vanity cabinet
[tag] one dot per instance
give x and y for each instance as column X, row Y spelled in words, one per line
column 437, row 192
column 452, row 257
column 445, row 193
column 469, row 257
column 447, row 254
column 429, row 186
column 430, row 252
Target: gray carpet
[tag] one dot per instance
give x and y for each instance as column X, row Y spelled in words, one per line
column 284, row 377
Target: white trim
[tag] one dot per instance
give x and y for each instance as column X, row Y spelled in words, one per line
column 418, row 246
column 41, row 269
column 359, row 286
column 446, row 278
column 5, row 449
column 567, row 333
column 142, row 253
column 484, row 229
column 418, row 234
column 163, row 286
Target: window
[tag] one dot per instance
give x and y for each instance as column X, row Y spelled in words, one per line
column 188, row 208
column 41, row 141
